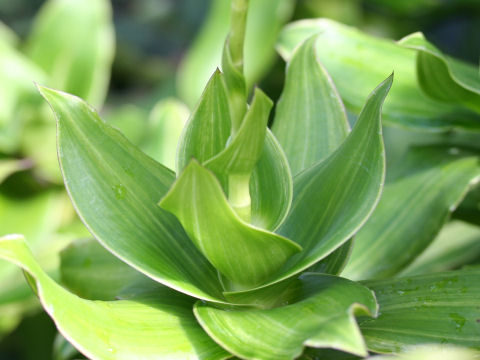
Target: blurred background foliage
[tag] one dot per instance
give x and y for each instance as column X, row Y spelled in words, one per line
column 167, row 49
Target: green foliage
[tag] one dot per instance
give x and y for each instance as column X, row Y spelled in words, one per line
column 246, row 242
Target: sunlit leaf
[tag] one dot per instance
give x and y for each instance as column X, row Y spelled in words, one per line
column 357, row 62
column 208, row 128
column 310, row 121
column 115, row 189
column 320, row 315
column 153, row 326
column 414, row 206
column 246, row 255
column 333, row 198
column 444, row 78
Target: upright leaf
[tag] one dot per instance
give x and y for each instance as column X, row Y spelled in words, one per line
column 114, row 188
column 73, row 41
column 333, row 198
column 320, row 315
column 246, row 255
column 310, row 120
column 412, row 210
column 234, row 165
column 271, row 186
column 357, row 62
column 444, row 78
column 208, row 128
column 429, row 309
column 157, row 325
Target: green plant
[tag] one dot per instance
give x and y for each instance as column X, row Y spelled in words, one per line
column 242, row 247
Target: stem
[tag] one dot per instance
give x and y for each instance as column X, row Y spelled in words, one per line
column 237, row 31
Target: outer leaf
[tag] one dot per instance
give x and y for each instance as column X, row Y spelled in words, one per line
column 265, row 17
column 91, row 272
column 246, row 255
column 114, row 188
column 413, row 208
column 271, row 186
column 310, row 120
column 334, row 198
column 432, row 352
column 322, row 316
column 357, row 62
column 38, row 217
column 158, row 326
column 444, row 78
column 435, row 308
column 165, row 126
column 208, row 128
column 73, row 41
column 457, row 244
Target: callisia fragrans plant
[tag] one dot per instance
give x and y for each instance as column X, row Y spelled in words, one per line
column 238, row 253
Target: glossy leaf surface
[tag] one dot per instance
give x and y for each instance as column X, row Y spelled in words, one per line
column 322, row 315
column 310, row 121
column 115, row 189
column 246, row 255
column 357, row 62
column 154, row 326
column 414, row 206
column 435, row 308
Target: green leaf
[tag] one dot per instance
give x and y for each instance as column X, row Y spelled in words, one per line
column 115, row 189
column 335, row 197
column 247, row 256
column 457, row 244
column 158, row 325
column 435, row 308
column 164, row 128
column 74, row 43
column 208, row 128
column 271, row 186
column 444, row 78
column 432, row 352
column 429, row 185
column 91, row 272
column 243, row 152
column 234, row 165
column 322, row 315
column 357, row 62
column 265, row 17
column 336, row 261
column 310, row 121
